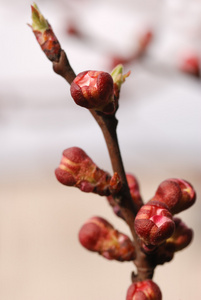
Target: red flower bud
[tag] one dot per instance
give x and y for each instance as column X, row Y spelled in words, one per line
column 154, row 224
column 77, row 169
column 94, row 90
column 99, row 236
column 182, row 235
column 177, row 194
column 144, row 290
column 134, row 190
column 45, row 35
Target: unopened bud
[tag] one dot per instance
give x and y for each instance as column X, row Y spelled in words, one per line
column 94, row 90
column 77, row 169
column 182, row 235
column 154, row 224
column 144, row 290
column 99, row 236
column 45, row 35
column 134, row 190
column 177, row 194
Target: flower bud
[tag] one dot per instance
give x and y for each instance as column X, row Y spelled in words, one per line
column 77, row 169
column 134, row 190
column 177, row 194
column 98, row 235
column 94, row 90
column 154, row 224
column 182, row 235
column 180, row 239
column 45, row 35
column 144, row 290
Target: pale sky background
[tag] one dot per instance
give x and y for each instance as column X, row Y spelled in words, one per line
column 159, row 134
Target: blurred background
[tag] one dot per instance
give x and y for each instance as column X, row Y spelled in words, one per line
column 159, row 135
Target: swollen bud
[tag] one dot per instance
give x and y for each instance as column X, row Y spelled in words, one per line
column 144, row 290
column 77, row 169
column 45, row 35
column 177, row 194
column 134, row 190
column 154, row 224
column 94, row 90
column 182, row 235
column 98, row 235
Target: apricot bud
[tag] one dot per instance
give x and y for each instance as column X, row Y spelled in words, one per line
column 134, row 190
column 77, row 169
column 154, row 224
column 182, row 235
column 177, row 194
column 144, row 290
column 94, row 90
column 45, row 35
column 99, row 236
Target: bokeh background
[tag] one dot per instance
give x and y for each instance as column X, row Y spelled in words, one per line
column 159, row 132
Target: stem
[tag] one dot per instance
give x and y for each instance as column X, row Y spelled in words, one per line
column 108, row 125
column 63, row 68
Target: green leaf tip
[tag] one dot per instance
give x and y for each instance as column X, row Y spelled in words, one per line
column 39, row 23
column 117, row 75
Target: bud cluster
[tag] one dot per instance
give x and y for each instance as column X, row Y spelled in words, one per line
column 98, row 235
column 160, row 233
column 154, row 223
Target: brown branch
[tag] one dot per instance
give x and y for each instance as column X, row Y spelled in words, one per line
column 108, row 125
column 63, row 68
